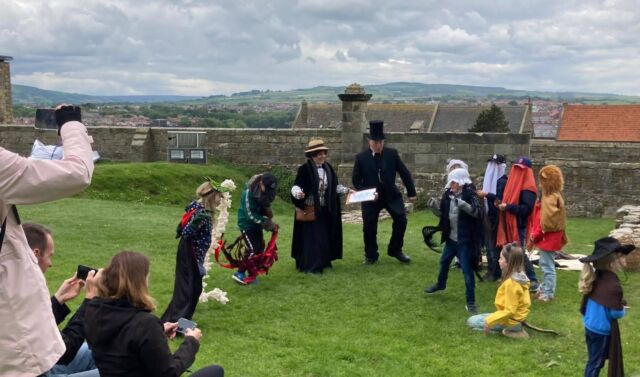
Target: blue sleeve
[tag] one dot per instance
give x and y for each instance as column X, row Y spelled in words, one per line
column 616, row 314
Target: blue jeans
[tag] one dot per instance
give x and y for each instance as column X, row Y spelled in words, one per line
column 463, row 252
column 476, row 322
column 83, row 365
column 528, row 266
column 598, row 348
column 548, row 266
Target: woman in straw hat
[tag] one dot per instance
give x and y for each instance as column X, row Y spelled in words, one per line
column 317, row 240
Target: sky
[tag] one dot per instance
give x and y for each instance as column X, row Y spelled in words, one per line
column 208, row 47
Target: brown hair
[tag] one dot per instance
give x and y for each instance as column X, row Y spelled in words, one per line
column 515, row 259
column 208, row 196
column 126, row 277
column 36, row 236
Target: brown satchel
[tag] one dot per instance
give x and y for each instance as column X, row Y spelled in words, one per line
column 306, row 215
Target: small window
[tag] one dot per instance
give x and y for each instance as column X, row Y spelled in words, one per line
column 197, row 155
column 177, row 154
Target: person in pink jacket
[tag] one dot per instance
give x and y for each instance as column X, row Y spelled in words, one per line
column 30, row 343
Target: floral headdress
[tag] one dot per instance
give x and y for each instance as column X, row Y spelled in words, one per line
column 226, row 186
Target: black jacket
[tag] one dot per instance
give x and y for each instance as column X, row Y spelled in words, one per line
column 523, row 209
column 469, row 227
column 128, row 341
column 493, row 213
column 365, row 173
column 73, row 332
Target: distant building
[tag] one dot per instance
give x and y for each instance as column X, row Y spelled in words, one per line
column 414, row 117
column 606, row 123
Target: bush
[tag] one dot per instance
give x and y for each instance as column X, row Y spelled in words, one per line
column 285, row 182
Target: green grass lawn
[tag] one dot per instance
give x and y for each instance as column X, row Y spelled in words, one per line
column 354, row 320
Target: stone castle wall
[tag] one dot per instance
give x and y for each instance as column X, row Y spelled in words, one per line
column 6, row 109
column 600, row 177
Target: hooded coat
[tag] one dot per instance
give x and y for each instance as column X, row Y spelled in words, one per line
column 130, row 341
column 30, row 343
column 512, row 301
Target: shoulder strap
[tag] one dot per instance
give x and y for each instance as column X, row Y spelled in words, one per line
column 4, row 224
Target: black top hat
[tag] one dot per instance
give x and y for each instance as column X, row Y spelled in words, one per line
column 376, row 130
column 605, row 246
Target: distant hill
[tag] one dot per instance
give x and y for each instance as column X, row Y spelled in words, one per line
column 29, row 95
column 415, row 92
column 396, row 91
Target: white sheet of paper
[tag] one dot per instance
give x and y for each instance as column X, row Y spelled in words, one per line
column 361, row 196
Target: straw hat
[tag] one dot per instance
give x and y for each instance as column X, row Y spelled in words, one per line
column 315, row 145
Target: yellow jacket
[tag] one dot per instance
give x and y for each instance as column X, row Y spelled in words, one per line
column 512, row 301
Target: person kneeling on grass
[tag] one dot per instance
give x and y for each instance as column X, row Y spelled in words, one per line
column 512, row 299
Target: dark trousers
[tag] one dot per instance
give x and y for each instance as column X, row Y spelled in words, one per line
column 598, row 349
column 463, row 251
column 528, row 266
column 254, row 239
column 210, row 371
column 187, row 287
column 370, row 213
column 493, row 252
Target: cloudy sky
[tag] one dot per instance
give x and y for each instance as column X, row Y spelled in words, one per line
column 205, row 47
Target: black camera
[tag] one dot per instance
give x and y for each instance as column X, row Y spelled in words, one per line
column 46, row 118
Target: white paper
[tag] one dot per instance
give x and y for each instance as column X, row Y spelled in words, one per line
column 361, row 196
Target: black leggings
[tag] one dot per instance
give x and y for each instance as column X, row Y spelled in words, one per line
column 210, row 371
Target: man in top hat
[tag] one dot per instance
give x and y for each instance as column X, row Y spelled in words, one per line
column 376, row 167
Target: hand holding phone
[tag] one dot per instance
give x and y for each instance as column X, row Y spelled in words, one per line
column 184, row 325
column 83, row 271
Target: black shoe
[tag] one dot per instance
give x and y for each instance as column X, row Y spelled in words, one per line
column 402, row 257
column 369, row 261
column 471, row 308
column 434, row 288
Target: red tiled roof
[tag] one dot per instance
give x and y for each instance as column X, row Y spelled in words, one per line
column 600, row 123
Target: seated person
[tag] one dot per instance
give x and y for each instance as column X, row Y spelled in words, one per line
column 77, row 357
column 126, row 339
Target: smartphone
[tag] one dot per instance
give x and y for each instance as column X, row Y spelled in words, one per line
column 83, row 271
column 46, row 118
column 184, row 325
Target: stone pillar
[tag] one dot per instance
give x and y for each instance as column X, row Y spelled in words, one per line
column 6, row 104
column 304, row 113
column 352, row 128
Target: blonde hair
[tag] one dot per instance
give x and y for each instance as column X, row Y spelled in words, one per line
column 126, row 277
column 514, row 255
column 588, row 273
column 208, row 196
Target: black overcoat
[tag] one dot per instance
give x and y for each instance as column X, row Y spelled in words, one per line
column 307, row 179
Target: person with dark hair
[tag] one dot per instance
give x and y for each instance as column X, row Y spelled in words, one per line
column 460, row 221
column 31, row 343
column 194, row 231
column 254, row 215
column 376, row 167
column 77, row 361
column 126, row 339
column 317, row 242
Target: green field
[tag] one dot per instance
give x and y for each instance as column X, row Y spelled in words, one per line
column 354, row 320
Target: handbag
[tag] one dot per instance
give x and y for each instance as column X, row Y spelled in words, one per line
column 306, row 215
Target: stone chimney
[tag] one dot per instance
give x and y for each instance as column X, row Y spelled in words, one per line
column 6, row 104
column 354, row 121
column 304, row 113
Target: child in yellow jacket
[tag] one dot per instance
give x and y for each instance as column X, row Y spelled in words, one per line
column 512, row 299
